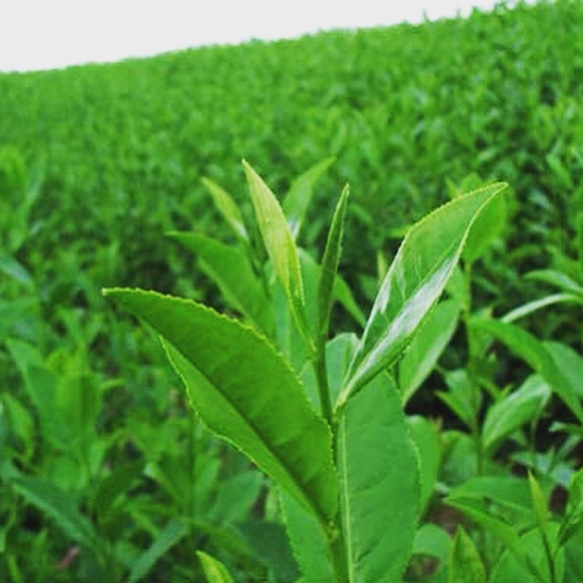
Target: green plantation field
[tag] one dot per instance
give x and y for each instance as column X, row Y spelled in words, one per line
column 417, row 417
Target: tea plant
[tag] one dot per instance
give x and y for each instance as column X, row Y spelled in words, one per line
column 321, row 417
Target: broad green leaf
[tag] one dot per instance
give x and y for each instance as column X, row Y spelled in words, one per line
column 330, row 263
column 171, row 534
column 379, row 483
column 245, row 392
column 229, row 267
column 228, row 209
column 465, row 565
column 534, row 352
column 279, row 244
column 426, row 347
column 520, row 407
column 214, row 570
column 569, row 361
column 297, row 200
column 414, row 283
column 308, row 539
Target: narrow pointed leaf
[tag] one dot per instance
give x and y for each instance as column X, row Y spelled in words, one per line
column 330, row 266
column 379, row 484
column 535, row 353
column 414, row 282
column 539, row 503
column 298, row 198
column 168, row 537
column 245, row 392
column 228, row 209
column 229, row 267
column 214, row 570
column 279, row 244
column 465, row 565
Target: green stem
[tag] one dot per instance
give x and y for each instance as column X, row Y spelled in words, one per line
column 321, row 369
column 338, row 551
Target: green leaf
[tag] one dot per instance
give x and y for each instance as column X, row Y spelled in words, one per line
column 534, row 352
column 59, row 505
column 308, row 540
column 465, row 565
column 413, row 284
column 330, row 263
column 539, row 503
column 427, row 442
column 513, row 411
column 574, row 516
column 379, row 483
column 214, row 570
column 228, row 209
column 229, row 267
column 485, row 229
column 433, row 541
column 170, row 535
column 426, row 347
column 279, row 244
column 245, row 392
column 297, row 200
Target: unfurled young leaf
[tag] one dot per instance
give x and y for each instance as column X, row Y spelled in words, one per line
column 280, row 245
column 245, row 392
column 414, row 283
column 228, row 209
column 214, row 570
column 465, row 565
column 299, row 196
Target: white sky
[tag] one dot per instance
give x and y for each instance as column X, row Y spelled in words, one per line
column 47, row 34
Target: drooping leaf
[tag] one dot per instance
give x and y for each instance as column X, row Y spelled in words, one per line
column 413, row 284
column 171, row 534
column 299, row 196
column 214, row 570
column 245, row 392
column 379, row 483
column 465, row 565
column 513, row 411
column 279, row 243
column 228, row 209
column 534, row 352
column 426, row 347
column 229, row 267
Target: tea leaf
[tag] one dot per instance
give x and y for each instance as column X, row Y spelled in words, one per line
column 168, row 537
column 465, row 565
column 214, row 570
column 413, row 284
column 516, row 409
column 229, row 267
column 245, row 392
column 330, row 267
column 228, row 209
column 379, row 477
column 298, row 198
column 279, row 244
column 534, row 352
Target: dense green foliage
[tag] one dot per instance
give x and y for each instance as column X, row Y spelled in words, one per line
column 104, row 473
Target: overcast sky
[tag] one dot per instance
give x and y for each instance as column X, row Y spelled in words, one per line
column 47, row 34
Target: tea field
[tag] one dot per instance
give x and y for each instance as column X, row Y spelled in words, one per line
column 130, row 175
